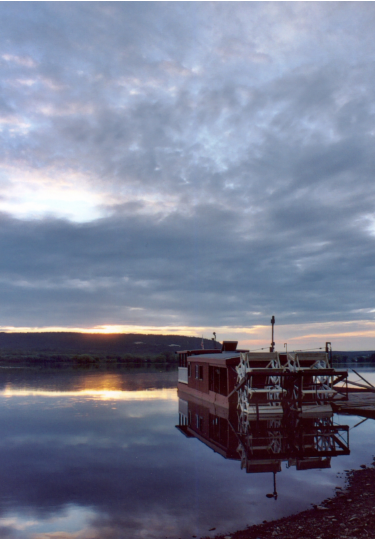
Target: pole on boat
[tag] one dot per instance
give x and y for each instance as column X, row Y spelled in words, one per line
column 328, row 350
column 272, row 321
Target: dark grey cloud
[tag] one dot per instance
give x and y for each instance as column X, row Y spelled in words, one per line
column 187, row 270
column 231, row 147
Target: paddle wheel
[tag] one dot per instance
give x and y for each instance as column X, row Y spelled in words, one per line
column 259, row 377
column 273, row 383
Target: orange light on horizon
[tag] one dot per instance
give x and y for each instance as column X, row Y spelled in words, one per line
column 352, row 335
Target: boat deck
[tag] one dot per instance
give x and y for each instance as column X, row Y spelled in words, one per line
column 361, row 403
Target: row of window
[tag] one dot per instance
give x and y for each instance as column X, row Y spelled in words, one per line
column 183, row 419
column 216, row 424
column 198, row 371
column 183, row 360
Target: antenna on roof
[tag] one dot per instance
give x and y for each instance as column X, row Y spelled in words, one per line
column 272, row 321
column 328, row 350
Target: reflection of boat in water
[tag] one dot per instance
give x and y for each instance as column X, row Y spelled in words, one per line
column 262, row 444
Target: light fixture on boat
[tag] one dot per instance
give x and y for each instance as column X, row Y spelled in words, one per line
column 272, row 321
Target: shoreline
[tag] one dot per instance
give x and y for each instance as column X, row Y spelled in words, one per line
column 349, row 514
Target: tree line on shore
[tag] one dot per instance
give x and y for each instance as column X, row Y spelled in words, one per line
column 360, row 358
column 14, row 357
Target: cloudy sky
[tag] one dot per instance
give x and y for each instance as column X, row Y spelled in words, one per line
column 189, row 167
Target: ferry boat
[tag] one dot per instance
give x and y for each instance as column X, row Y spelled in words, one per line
column 261, row 383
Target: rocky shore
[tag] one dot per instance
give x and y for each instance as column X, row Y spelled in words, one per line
column 350, row 514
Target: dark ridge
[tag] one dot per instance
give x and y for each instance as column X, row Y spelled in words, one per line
column 118, row 343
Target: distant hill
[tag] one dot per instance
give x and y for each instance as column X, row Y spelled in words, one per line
column 82, row 348
column 116, row 343
column 79, row 343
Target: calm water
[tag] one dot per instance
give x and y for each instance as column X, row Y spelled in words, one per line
column 96, row 455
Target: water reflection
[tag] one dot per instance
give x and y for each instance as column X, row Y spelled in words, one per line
column 262, row 444
column 95, row 394
column 74, row 380
column 87, row 456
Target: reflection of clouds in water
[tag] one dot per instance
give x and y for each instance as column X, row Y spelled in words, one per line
column 95, row 422
column 76, row 381
column 154, row 525
column 74, row 520
column 87, row 471
column 118, row 465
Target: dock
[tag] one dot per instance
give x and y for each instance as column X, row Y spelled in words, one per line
column 361, row 403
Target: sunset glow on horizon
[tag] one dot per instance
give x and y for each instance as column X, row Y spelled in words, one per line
column 348, row 335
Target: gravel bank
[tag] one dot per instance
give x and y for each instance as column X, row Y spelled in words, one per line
column 350, row 514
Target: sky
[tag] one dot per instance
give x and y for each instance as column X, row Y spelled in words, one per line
column 189, row 167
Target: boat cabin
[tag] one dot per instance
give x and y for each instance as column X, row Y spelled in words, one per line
column 209, row 374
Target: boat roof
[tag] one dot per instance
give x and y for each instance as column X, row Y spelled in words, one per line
column 219, row 359
column 220, row 355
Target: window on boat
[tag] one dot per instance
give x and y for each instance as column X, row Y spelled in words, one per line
column 183, row 360
column 218, row 380
column 199, row 372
